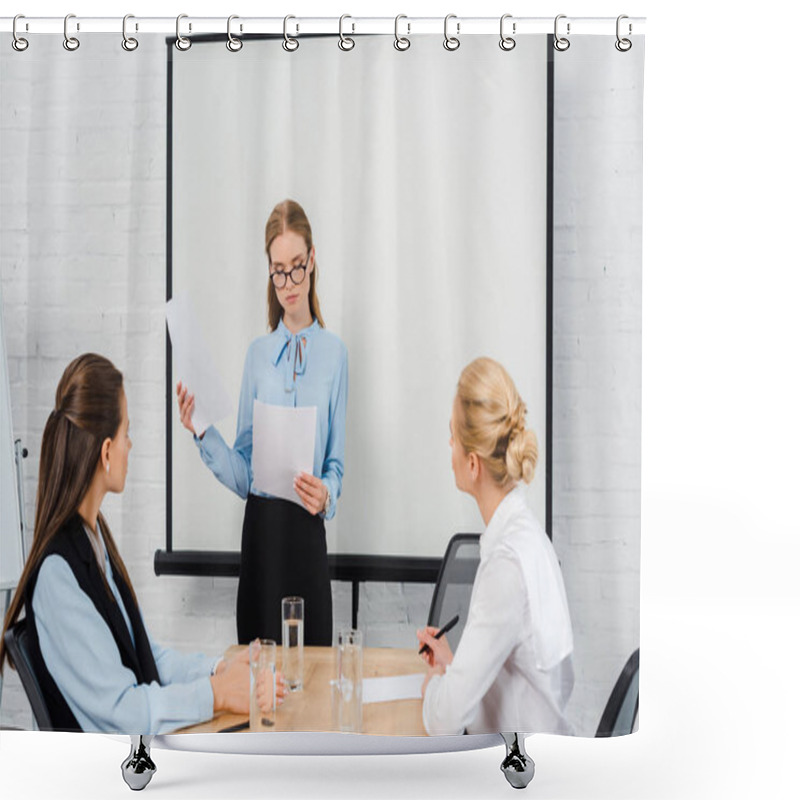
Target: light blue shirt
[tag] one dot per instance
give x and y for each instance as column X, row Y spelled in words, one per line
column 284, row 369
column 81, row 655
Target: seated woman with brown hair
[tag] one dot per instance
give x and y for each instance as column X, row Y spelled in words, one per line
column 92, row 655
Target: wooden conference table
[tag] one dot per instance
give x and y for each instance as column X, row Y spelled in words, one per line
column 310, row 709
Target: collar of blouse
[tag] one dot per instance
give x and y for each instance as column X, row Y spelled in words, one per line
column 292, row 350
column 512, row 503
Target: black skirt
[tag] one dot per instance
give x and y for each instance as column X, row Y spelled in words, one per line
column 284, row 553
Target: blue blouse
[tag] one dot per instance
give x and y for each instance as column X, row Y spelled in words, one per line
column 284, row 369
column 81, row 655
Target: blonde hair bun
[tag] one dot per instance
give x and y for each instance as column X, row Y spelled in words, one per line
column 492, row 422
column 522, row 454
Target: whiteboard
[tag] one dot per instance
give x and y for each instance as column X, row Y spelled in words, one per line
column 11, row 557
column 424, row 177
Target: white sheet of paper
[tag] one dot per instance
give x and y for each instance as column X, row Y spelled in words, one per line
column 193, row 366
column 283, row 445
column 395, row 687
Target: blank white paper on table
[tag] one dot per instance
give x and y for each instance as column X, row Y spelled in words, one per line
column 394, row 687
column 283, row 445
column 193, row 365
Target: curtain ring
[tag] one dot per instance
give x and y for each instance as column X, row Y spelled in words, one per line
column 345, row 42
column 401, row 42
column 19, row 44
column 451, row 42
column 182, row 43
column 290, row 44
column 507, row 42
column 234, row 44
column 70, row 42
column 561, row 43
column 128, row 42
column 623, row 45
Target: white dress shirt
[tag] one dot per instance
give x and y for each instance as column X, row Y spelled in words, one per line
column 512, row 671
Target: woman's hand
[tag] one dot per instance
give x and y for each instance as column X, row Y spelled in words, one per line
column 242, row 655
column 185, row 407
column 231, row 686
column 312, row 491
column 437, row 670
column 438, row 652
column 264, row 691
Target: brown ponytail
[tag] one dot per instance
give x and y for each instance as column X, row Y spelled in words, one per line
column 87, row 412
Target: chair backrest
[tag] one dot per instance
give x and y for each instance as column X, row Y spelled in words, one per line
column 454, row 585
column 16, row 640
column 622, row 709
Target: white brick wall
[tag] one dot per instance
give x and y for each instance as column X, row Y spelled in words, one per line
column 597, row 369
column 82, row 259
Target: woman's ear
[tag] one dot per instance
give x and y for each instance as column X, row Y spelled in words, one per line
column 474, row 466
column 105, row 455
column 312, row 258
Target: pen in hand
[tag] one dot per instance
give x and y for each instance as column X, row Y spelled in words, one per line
column 449, row 626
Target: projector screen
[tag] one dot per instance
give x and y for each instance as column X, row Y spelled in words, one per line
column 424, row 176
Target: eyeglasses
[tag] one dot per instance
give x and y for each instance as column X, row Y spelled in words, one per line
column 297, row 274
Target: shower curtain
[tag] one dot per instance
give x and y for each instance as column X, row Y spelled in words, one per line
column 469, row 202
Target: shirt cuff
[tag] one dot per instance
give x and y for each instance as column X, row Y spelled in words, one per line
column 332, row 509
column 209, row 445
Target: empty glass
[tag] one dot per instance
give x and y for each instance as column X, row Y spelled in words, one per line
column 349, row 677
column 262, row 674
column 292, row 661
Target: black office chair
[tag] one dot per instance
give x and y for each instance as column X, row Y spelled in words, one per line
column 16, row 640
column 622, row 709
column 454, row 585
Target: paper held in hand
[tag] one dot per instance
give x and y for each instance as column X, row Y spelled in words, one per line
column 283, row 445
column 193, row 365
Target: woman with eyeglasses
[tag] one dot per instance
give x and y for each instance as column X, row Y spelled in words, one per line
column 298, row 363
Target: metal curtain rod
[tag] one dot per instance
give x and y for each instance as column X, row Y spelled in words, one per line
column 460, row 26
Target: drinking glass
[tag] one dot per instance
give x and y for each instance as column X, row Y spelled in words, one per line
column 262, row 668
column 292, row 662
column 349, row 675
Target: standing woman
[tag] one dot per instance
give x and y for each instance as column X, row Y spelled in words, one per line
column 513, row 668
column 299, row 363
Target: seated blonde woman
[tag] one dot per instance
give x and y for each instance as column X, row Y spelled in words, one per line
column 513, row 669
